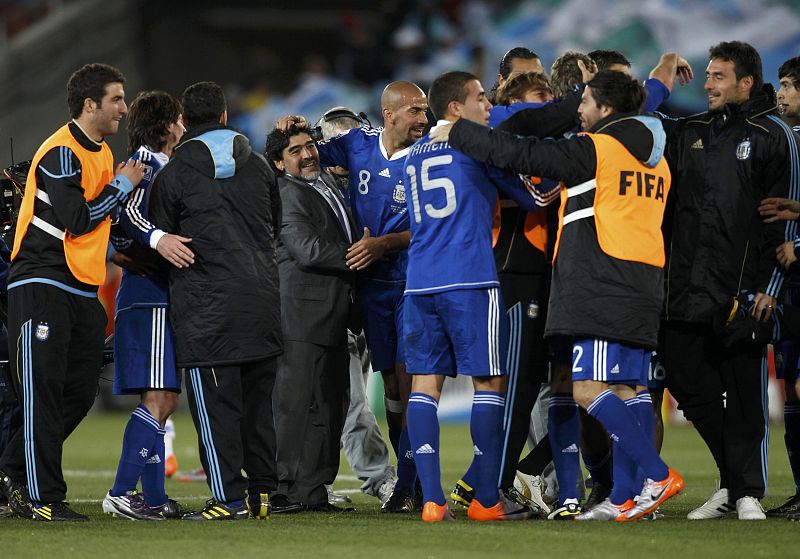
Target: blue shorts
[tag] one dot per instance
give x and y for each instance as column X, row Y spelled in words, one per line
column 656, row 373
column 461, row 332
column 787, row 360
column 382, row 308
column 144, row 357
column 609, row 362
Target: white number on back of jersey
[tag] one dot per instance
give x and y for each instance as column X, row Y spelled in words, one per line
column 430, row 184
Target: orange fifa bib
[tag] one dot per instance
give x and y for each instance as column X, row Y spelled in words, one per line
column 85, row 254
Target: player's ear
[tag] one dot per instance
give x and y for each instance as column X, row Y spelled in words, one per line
column 454, row 108
column 279, row 165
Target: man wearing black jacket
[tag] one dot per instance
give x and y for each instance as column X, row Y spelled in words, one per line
column 607, row 278
column 225, row 307
column 316, row 305
column 723, row 279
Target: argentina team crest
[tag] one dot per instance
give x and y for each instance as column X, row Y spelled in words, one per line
column 399, row 194
column 743, row 150
column 42, row 331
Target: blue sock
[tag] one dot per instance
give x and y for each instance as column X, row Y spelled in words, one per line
column 423, row 434
column 642, row 408
column 628, row 477
column 791, row 422
column 153, row 478
column 139, row 438
column 406, row 467
column 470, row 477
column 623, row 427
column 563, row 428
column 486, row 427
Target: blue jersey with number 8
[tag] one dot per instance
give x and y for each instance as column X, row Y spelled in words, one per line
column 451, row 200
column 377, row 195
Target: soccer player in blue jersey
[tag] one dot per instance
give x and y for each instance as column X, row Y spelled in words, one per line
column 374, row 157
column 144, row 360
column 454, row 317
column 788, row 97
column 612, row 320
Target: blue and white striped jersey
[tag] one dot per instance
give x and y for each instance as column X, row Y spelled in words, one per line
column 377, row 194
column 451, row 201
column 136, row 290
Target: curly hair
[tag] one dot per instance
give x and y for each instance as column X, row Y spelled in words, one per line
column 565, row 74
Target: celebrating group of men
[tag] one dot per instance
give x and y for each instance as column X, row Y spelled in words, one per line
column 573, row 239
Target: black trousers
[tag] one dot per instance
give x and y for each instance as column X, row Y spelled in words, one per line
column 309, row 404
column 56, row 349
column 231, row 408
column 722, row 391
column 525, row 296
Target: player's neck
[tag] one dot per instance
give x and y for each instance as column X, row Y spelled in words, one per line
column 792, row 121
column 391, row 144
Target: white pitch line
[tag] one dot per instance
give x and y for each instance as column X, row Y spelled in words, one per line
column 113, row 473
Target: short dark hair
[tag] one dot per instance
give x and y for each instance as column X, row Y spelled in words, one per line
column 618, row 91
column 790, row 69
column 449, row 86
column 517, row 52
column 149, row 116
column 203, row 103
column 565, row 74
column 89, row 82
column 745, row 58
column 278, row 140
column 604, row 59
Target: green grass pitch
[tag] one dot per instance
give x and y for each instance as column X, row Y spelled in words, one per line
column 91, row 454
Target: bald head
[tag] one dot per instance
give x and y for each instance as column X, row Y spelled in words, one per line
column 400, row 93
column 404, row 107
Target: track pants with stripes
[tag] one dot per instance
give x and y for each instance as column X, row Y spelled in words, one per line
column 231, row 408
column 526, row 364
column 56, row 349
column 722, row 391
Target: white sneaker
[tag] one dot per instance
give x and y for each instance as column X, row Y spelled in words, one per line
column 749, row 508
column 532, row 488
column 717, row 506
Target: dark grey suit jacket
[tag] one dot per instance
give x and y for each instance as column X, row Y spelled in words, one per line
column 316, row 284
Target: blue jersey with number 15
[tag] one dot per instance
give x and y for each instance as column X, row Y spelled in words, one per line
column 377, row 195
column 451, row 200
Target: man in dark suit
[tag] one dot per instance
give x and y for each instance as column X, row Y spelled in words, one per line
column 316, row 299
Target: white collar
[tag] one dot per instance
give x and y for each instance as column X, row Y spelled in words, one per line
column 397, row 155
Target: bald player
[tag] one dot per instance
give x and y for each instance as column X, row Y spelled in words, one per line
column 375, row 158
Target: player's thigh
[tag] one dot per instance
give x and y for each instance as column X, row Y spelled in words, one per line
column 144, row 355
column 609, row 362
column 477, row 326
column 428, row 348
column 379, row 303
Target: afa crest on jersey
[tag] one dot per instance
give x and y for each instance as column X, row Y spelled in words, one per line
column 42, row 331
column 743, row 150
column 399, row 194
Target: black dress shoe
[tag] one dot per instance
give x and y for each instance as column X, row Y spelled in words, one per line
column 280, row 504
column 327, row 507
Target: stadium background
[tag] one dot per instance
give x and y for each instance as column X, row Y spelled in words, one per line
column 282, row 57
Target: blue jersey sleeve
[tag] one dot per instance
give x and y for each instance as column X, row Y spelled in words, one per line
column 657, row 93
column 521, row 191
column 133, row 217
column 333, row 152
